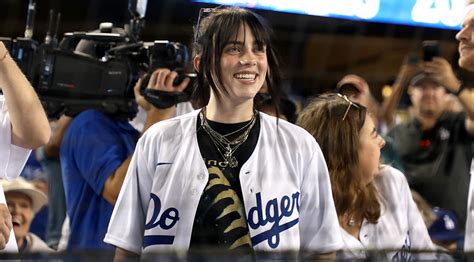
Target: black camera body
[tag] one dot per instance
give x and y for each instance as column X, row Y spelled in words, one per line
column 95, row 70
column 102, row 80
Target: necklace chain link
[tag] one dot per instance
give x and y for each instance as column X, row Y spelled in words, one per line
column 222, row 143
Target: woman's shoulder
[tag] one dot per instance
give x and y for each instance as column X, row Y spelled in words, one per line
column 391, row 177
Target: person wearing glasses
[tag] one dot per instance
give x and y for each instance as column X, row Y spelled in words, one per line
column 227, row 176
column 23, row 126
column 374, row 204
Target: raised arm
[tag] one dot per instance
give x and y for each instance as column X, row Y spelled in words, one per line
column 30, row 127
column 402, row 81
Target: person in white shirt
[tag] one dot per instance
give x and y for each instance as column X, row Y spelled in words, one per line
column 374, row 204
column 466, row 61
column 227, row 176
column 23, row 126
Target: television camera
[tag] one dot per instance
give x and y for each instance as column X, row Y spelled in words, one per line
column 98, row 69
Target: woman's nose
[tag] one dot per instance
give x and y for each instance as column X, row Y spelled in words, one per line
column 382, row 142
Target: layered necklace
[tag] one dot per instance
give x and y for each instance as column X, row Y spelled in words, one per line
column 224, row 145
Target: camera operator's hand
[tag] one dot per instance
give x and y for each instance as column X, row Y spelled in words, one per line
column 161, row 79
column 141, row 101
column 441, row 70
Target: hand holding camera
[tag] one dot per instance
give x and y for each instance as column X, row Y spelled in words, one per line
column 161, row 81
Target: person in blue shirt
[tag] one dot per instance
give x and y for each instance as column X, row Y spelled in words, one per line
column 95, row 154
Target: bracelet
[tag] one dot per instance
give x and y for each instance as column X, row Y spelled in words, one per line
column 461, row 88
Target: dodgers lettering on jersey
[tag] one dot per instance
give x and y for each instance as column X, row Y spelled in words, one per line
column 260, row 215
column 404, row 254
column 274, row 212
column 166, row 221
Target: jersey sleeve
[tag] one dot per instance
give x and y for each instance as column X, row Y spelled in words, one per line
column 319, row 226
column 127, row 224
column 13, row 157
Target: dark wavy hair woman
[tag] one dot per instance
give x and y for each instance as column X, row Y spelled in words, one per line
column 227, row 176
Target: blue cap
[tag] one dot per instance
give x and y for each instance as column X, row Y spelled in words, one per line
column 445, row 227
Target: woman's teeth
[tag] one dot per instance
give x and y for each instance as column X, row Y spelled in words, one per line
column 245, row 76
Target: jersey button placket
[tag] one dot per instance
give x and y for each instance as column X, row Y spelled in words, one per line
column 364, row 236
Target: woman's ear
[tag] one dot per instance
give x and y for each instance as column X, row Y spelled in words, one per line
column 197, row 62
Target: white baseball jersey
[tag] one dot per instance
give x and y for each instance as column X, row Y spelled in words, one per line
column 400, row 226
column 285, row 186
column 12, row 161
column 469, row 236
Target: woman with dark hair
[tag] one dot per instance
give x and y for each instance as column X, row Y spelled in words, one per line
column 374, row 205
column 227, row 176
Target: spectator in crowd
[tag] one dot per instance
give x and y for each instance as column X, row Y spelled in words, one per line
column 466, row 95
column 24, row 201
column 435, row 144
column 357, row 90
column 218, row 176
column 374, row 205
column 95, row 153
column 23, row 126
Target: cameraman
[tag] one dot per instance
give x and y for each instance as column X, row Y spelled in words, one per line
column 95, row 155
column 23, row 126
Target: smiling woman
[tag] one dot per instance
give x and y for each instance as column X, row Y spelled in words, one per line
column 236, row 179
column 23, row 201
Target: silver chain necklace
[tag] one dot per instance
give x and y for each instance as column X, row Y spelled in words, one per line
column 225, row 145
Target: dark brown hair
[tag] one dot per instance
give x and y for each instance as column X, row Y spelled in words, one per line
column 212, row 33
column 339, row 142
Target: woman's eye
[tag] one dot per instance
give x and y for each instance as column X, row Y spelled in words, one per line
column 260, row 49
column 233, row 49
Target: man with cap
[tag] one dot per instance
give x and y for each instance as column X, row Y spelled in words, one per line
column 435, row 144
column 466, row 61
column 23, row 201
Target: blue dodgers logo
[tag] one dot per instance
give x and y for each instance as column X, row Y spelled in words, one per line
column 166, row 221
column 404, row 254
column 274, row 212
